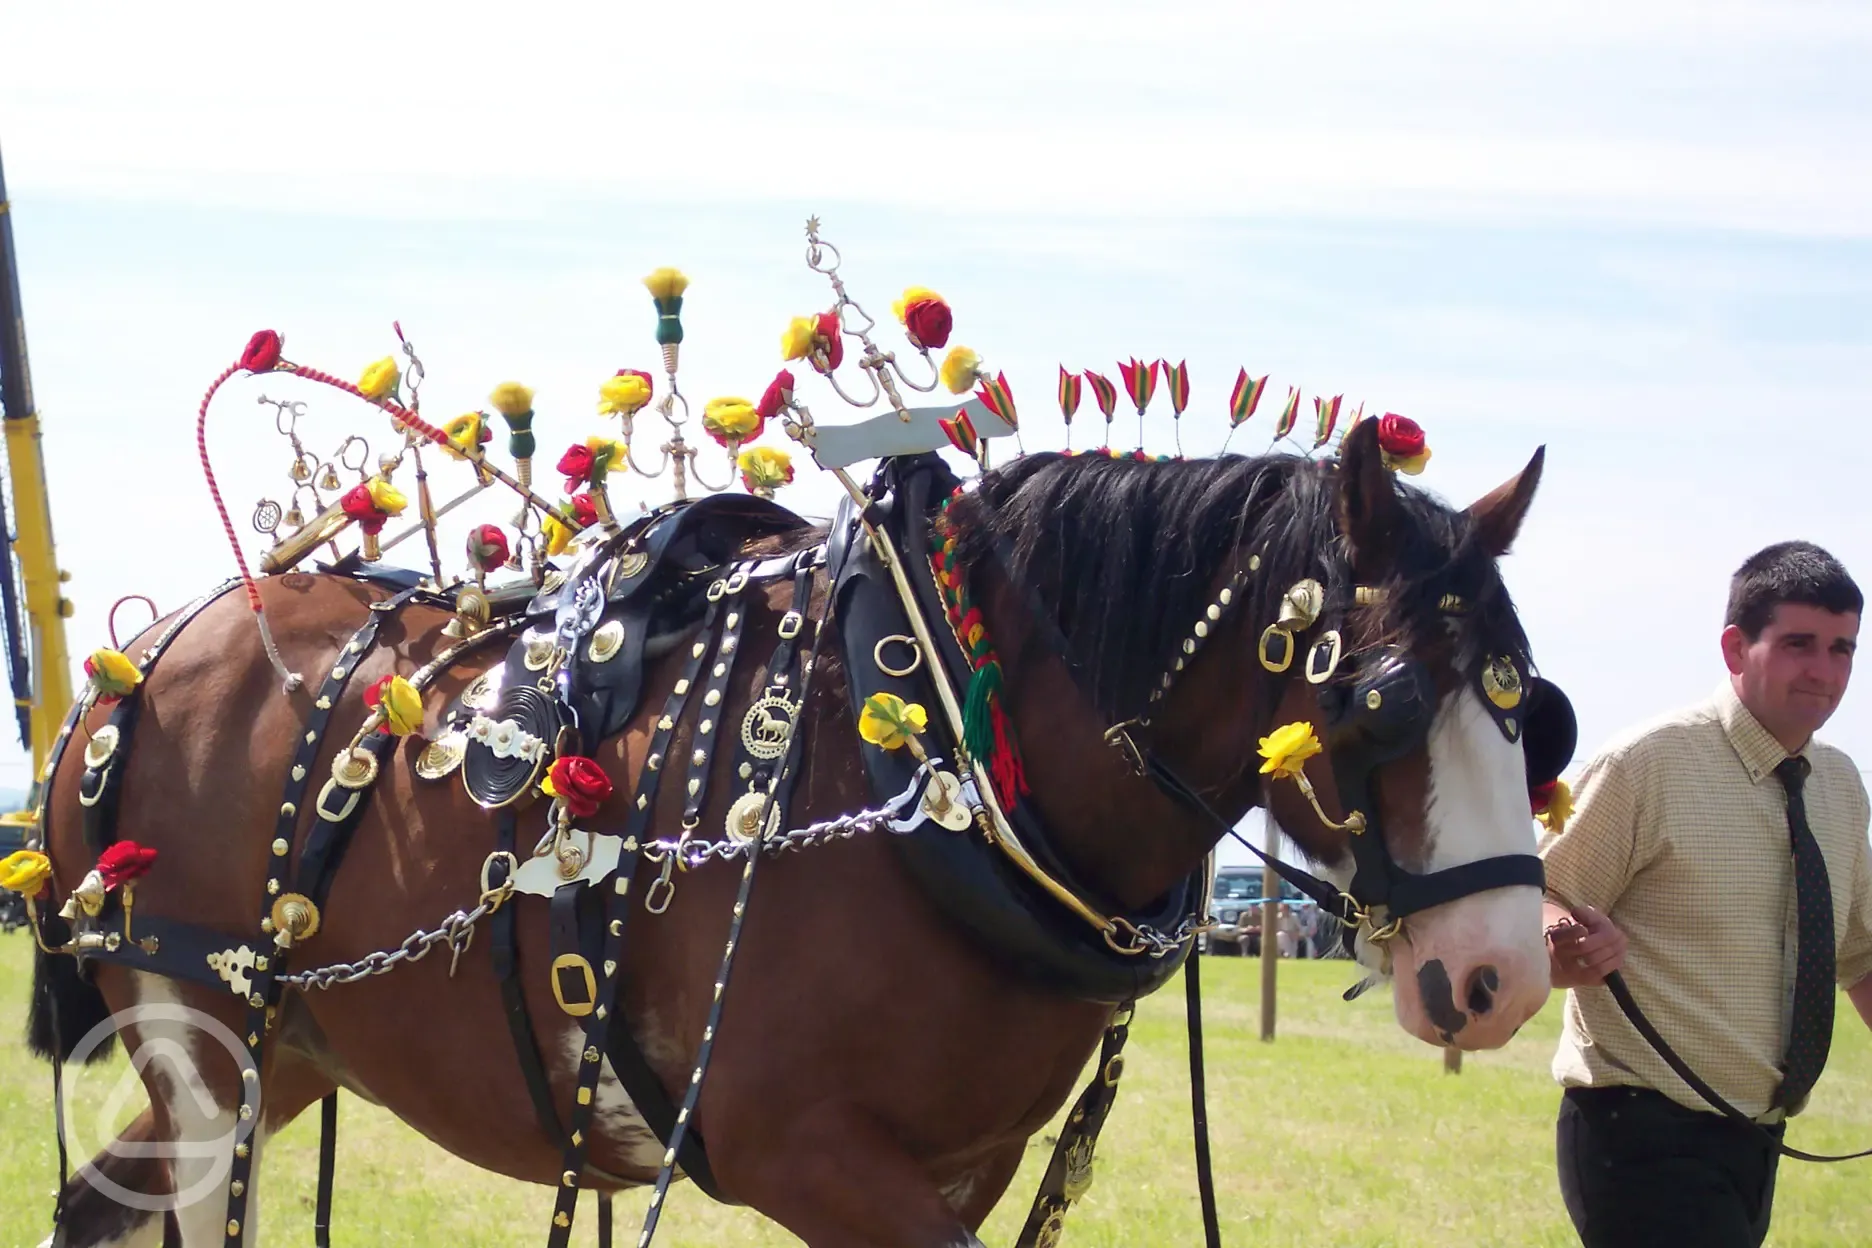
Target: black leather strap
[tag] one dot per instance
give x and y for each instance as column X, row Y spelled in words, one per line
column 1199, row 1107
column 327, row 1170
column 503, row 941
column 1070, row 1168
column 711, row 735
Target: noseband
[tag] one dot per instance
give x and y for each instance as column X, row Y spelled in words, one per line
column 1379, row 705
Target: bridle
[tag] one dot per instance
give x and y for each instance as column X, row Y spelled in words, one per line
column 1379, row 705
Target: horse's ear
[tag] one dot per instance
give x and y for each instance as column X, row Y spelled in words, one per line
column 1498, row 514
column 1368, row 501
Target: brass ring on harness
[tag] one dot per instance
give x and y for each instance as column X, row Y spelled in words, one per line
column 492, row 895
column 101, row 747
column 916, row 655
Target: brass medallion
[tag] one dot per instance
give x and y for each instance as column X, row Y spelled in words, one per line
column 441, row 756
column 606, row 641
column 102, row 745
column 354, row 769
column 480, row 695
column 744, row 816
column 768, row 726
column 1501, row 681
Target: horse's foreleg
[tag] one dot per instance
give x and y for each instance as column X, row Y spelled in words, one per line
column 97, row 1215
column 838, row 1180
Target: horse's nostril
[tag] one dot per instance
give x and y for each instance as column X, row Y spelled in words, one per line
column 1484, row 982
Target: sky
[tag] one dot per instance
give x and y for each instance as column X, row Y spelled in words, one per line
column 1639, row 235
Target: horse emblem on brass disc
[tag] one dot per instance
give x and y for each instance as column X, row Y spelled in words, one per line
column 768, row 726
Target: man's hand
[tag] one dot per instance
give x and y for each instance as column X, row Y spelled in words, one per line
column 1583, row 946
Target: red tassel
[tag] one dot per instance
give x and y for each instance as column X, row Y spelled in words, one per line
column 1010, row 778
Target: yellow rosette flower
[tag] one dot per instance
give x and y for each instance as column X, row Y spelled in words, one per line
column 1559, row 808
column 112, row 673
column 387, row 497
column 765, row 469
column 465, row 433
column 1287, row 750
column 731, row 419
column 510, row 398
column 797, row 342
column 558, row 534
column 960, row 370
column 623, row 395
column 400, row 703
column 889, row 723
column 25, row 872
column 380, row 378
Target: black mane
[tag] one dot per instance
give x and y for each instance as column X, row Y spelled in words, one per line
column 1126, row 553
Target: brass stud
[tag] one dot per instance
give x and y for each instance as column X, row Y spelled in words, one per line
column 1374, row 699
column 712, row 698
column 1215, row 609
column 273, row 888
column 591, row 1050
column 233, row 1227
column 280, row 846
column 1202, row 628
column 643, row 802
column 695, row 651
column 682, row 686
column 237, row 1188
column 617, row 925
column 700, row 757
column 569, row 1179
column 654, row 762
column 584, row 1096
column 288, row 810
column 705, row 727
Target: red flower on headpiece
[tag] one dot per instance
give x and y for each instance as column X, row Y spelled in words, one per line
column 584, row 510
column 929, row 323
column 1539, row 795
column 125, row 863
column 487, row 547
column 576, row 464
column 1400, row 436
column 262, row 352
column 578, row 782
column 776, row 396
column 831, row 340
column 361, row 507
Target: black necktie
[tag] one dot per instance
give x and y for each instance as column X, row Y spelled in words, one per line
column 1814, row 970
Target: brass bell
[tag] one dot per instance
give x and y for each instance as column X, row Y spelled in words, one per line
column 328, row 480
column 301, row 472
column 1301, row 605
column 295, row 517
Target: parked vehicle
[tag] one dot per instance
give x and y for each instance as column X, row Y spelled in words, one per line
column 1236, row 908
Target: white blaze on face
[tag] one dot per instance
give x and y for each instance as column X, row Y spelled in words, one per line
column 1473, row 970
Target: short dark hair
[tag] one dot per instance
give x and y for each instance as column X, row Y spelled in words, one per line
column 1797, row 572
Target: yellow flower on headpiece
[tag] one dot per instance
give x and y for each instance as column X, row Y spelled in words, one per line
column 558, row 534
column 1411, row 465
column 112, row 672
column 797, row 342
column 666, row 283
column 961, row 369
column 1559, row 808
column 510, row 398
column 888, row 722
column 25, row 872
column 465, row 433
column 387, row 497
column 730, row 419
column 401, row 705
column 1287, row 750
column 379, row 379
column 623, row 394
column 765, row 469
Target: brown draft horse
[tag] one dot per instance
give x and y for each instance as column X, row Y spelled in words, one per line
column 877, row 1076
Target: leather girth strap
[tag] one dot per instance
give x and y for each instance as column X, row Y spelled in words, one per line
column 1069, row 1173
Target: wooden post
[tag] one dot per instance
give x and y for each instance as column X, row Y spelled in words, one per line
column 1452, row 1060
column 1270, row 929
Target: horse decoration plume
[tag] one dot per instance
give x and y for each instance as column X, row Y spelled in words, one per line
column 985, row 729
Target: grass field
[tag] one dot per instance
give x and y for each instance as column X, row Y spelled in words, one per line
column 1343, row 1131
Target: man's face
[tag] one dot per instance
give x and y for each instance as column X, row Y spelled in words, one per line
column 1792, row 677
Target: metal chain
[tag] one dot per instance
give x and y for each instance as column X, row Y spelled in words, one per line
column 457, row 930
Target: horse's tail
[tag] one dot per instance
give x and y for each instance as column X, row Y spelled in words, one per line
column 66, row 1005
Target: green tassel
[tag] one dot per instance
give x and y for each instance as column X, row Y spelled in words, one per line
column 978, row 736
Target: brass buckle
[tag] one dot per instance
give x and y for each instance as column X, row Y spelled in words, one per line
column 790, row 625
column 1316, row 673
column 1287, row 656
column 737, row 581
column 574, row 962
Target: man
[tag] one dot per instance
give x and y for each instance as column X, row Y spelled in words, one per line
column 1704, row 847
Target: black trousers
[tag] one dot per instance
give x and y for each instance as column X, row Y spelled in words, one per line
column 1637, row 1168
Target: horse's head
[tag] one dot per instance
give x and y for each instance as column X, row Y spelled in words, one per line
column 1203, row 603
column 1435, row 727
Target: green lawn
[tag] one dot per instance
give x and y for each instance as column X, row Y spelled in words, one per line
column 1343, row 1131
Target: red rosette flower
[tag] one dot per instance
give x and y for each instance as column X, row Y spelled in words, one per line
column 487, row 548
column 928, row 323
column 578, row 782
column 125, row 862
column 584, row 510
column 1400, row 436
column 831, row 340
column 361, row 507
column 1540, row 796
column 776, row 396
column 262, row 353
column 576, row 464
